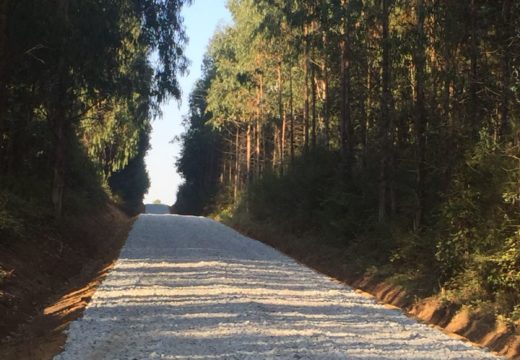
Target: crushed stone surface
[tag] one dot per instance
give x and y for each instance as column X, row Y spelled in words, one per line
column 191, row 288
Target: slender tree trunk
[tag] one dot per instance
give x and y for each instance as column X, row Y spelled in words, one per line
column 60, row 127
column 60, row 124
column 258, row 136
column 237, row 165
column 448, row 90
column 473, row 122
column 326, row 102
column 506, row 68
column 306, row 89
column 259, row 122
column 369, row 107
column 282, row 141
column 364, row 96
column 313, row 100
column 420, row 112
column 281, row 113
column 3, row 80
column 248, row 153
column 276, row 146
column 345, row 106
column 291, row 106
column 4, row 6
column 385, row 112
column 448, row 79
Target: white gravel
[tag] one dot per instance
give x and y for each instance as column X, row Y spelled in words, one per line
column 191, row 288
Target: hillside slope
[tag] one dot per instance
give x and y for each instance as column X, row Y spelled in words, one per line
column 48, row 275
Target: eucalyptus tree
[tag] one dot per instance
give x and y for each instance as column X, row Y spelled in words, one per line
column 67, row 62
column 417, row 100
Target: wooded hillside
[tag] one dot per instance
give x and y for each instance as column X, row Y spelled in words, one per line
column 388, row 128
column 80, row 82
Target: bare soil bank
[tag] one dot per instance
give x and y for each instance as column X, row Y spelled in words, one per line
column 482, row 330
column 51, row 278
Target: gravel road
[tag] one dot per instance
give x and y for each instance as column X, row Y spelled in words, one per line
column 191, row 288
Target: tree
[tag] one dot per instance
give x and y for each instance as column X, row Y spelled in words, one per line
column 83, row 68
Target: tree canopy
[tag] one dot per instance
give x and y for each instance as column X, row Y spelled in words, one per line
column 389, row 120
column 87, row 75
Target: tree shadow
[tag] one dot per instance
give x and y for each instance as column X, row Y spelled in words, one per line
column 198, row 290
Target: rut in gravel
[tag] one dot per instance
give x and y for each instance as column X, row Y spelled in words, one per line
column 191, row 288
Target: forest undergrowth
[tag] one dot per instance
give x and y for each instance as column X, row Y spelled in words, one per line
column 466, row 253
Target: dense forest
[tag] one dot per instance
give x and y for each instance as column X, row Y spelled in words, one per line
column 80, row 82
column 386, row 128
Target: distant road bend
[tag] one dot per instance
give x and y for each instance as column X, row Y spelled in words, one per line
column 191, row 288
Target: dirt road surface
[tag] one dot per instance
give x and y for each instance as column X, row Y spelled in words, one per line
column 191, row 288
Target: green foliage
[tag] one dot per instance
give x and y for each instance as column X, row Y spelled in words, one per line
column 199, row 161
column 8, row 222
column 388, row 129
column 296, row 197
column 477, row 247
column 131, row 183
column 78, row 91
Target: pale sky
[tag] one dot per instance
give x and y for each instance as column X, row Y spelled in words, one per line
column 201, row 20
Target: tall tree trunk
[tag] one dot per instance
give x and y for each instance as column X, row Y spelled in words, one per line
column 386, row 100
column 236, row 186
column 258, row 138
column 258, row 147
column 60, row 124
column 281, row 113
column 369, row 107
column 3, row 80
column 4, row 7
column 60, row 129
column 506, row 36
column 291, row 109
column 345, row 106
column 313, row 100
column 364, row 96
column 473, row 122
column 282, row 141
column 420, row 112
column 326, row 102
column 306, row 89
column 448, row 78
column 276, row 146
column 248, row 153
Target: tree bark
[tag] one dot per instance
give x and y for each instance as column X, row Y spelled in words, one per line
column 248, row 153
column 506, row 68
column 237, row 165
column 282, row 141
column 258, row 138
column 420, row 112
column 306, row 89
column 291, row 106
column 385, row 112
column 313, row 100
column 60, row 127
column 326, row 102
column 473, row 112
column 281, row 113
column 3, row 79
column 345, row 106
column 59, row 122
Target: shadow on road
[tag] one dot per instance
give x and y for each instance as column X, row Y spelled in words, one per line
column 190, row 288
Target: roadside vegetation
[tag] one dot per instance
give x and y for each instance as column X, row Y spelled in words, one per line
column 385, row 130
column 80, row 82
column 78, row 90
